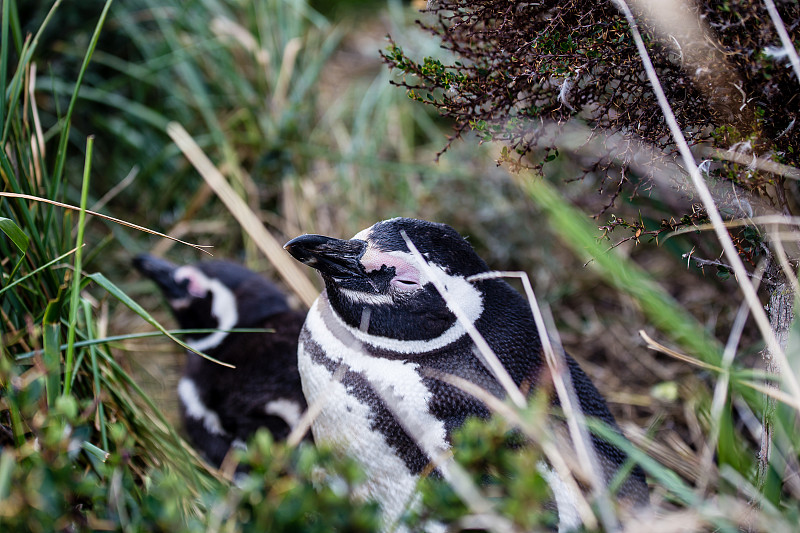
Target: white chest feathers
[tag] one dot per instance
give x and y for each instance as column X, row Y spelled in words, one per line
column 348, row 423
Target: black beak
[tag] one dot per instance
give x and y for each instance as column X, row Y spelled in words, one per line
column 335, row 258
column 160, row 271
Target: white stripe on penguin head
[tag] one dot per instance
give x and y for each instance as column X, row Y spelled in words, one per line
column 223, row 305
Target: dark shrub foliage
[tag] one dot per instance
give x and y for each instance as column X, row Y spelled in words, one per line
column 524, row 64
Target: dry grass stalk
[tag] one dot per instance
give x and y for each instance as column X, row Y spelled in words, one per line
column 304, row 424
column 569, row 402
column 249, row 221
column 786, row 40
column 653, row 345
column 563, row 466
column 490, row 359
column 200, row 247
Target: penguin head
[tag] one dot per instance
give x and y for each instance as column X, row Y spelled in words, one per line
column 375, row 275
column 213, row 294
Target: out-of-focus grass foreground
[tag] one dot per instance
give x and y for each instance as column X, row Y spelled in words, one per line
column 639, row 161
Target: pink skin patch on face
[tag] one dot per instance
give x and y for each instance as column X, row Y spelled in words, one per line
column 406, row 276
column 198, row 283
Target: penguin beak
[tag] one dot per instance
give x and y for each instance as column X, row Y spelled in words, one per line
column 335, row 258
column 161, row 271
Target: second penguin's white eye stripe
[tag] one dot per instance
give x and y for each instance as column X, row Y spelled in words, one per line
column 223, row 306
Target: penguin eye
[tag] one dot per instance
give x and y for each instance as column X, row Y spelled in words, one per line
column 405, row 284
column 393, row 267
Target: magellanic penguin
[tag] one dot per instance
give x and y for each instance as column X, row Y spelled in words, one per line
column 221, row 407
column 382, row 326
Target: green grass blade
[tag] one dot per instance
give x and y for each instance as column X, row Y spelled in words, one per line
column 119, row 376
column 661, row 309
column 34, row 272
column 139, row 310
column 62, row 145
column 98, row 453
column 4, row 51
column 663, row 475
column 91, row 94
column 6, row 469
column 19, row 239
column 26, row 52
column 77, row 273
column 146, row 335
column 87, row 313
column 13, row 90
column 51, row 342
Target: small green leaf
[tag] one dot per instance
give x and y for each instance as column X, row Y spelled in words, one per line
column 14, row 233
column 67, row 406
column 17, row 236
column 6, row 470
column 666, row 391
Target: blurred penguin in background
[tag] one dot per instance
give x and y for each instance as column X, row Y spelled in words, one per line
column 222, row 407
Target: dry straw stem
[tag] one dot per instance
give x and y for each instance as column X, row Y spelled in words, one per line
column 774, row 393
column 576, row 422
column 566, row 394
column 776, row 238
column 490, row 359
column 721, row 394
column 713, row 213
column 771, row 392
column 247, row 219
column 458, row 479
column 786, row 41
column 37, row 139
column 313, row 411
column 653, row 345
column 200, row 247
column 451, row 471
column 536, row 433
column 760, row 163
column 776, row 220
column 285, row 74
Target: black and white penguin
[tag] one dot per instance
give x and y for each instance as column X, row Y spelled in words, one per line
column 221, row 407
column 382, row 325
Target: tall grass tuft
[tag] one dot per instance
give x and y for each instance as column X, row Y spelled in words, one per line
column 79, row 437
